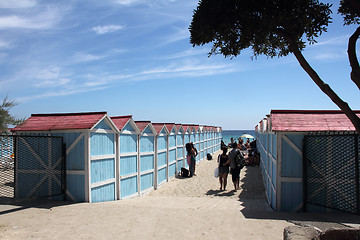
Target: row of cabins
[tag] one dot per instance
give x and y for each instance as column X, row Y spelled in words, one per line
column 111, row 158
column 280, row 141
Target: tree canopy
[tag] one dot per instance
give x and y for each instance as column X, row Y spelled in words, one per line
column 5, row 117
column 274, row 28
column 263, row 25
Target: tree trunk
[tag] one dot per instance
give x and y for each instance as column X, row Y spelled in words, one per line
column 355, row 68
column 326, row 88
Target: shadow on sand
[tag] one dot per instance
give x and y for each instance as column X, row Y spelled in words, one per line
column 220, row 193
column 253, row 199
column 11, row 205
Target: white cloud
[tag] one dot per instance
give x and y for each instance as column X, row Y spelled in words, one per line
column 58, row 93
column 43, row 20
column 341, row 40
column 5, row 45
column 188, row 53
column 86, row 57
column 17, row 3
column 107, row 29
column 128, row 2
column 329, row 56
column 50, row 73
column 50, row 78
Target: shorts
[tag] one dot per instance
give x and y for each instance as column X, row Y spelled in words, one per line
column 235, row 174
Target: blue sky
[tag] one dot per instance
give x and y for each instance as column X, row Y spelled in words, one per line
column 134, row 57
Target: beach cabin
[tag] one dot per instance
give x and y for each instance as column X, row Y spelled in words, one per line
column 206, row 140
column 146, row 156
column 90, row 140
column 219, row 137
column 309, row 160
column 180, row 147
column 171, row 150
column 201, row 141
column 128, row 155
column 161, row 153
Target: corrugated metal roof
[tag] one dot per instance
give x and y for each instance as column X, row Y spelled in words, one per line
column 60, row 121
column 310, row 120
column 121, row 121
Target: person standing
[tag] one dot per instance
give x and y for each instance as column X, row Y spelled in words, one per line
column 196, row 153
column 224, row 162
column 234, row 169
column 191, row 154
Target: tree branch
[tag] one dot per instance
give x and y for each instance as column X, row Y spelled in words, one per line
column 326, row 88
column 355, row 68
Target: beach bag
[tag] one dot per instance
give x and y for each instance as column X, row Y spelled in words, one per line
column 184, row 172
column 239, row 160
column 188, row 159
column 216, row 172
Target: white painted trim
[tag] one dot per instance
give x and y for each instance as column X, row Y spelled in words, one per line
column 87, row 178
column 108, row 121
column 129, row 132
column 75, row 142
column 128, row 176
column 102, row 157
column 128, row 154
column 103, row 183
column 146, row 172
column 138, row 163
column 117, row 167
column 288, row 141
column 75, row 172
column 172, row 148
column 161, row 167
column 146, row 153
column 155, row 162
column 167, row 158
column 106, row 131
column 147, row 134
column 172, row 162
column 162, row 150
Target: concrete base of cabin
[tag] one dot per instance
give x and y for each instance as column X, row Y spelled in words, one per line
column 313, row 233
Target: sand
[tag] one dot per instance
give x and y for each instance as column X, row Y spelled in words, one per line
column 183, row 208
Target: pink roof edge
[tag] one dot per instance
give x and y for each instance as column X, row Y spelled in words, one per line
column 310, row 120
column 60, row 121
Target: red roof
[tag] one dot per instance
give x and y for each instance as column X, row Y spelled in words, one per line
column 142, row 125
column 169, row 126
column 185, row 127
column 310, row 120
column 178, row 126
column 60, row 121
column 158, row 127
column 121, row 121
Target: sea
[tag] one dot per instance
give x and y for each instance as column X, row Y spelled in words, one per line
column 228, row 134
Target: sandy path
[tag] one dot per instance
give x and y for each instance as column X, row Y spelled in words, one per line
column 191, row 208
